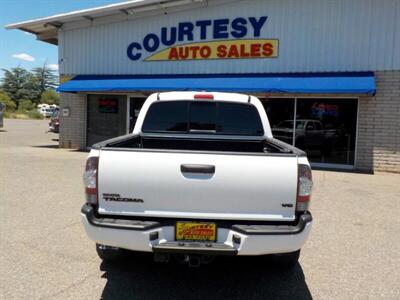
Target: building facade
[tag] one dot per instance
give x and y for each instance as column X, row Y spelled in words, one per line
column 327, row 71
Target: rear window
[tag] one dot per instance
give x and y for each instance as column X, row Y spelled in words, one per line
column 166, row 117
column 205, row 117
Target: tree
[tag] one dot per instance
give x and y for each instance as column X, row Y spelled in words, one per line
column 10, row 105
column 20, row 84
column 45, row 78
column 50, row 97
column 25, row 105
column 32, row 88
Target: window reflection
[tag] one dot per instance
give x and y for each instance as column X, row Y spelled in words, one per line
column 325, row 128
column 280, row 113
column 329, row 131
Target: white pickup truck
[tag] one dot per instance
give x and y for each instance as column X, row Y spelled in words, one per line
column 200, row 175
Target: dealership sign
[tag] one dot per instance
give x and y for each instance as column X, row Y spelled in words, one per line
column 219, row 39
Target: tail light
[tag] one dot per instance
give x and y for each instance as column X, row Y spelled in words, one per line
column 204, row 96
column 304, row 187
column 90, row 179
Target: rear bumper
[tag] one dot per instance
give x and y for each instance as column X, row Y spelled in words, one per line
column 151, row 236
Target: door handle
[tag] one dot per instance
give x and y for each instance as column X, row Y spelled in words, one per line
column 202, row 169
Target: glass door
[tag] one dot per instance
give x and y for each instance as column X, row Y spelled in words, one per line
column 135, row 105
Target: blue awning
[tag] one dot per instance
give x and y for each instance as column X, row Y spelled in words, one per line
column 305, row 83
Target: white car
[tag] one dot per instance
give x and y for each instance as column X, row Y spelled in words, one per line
column 200, row 176
column 46, row 111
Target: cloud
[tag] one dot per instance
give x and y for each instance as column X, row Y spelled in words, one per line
column 28, row 33
column 23, row 56
column 53, row 67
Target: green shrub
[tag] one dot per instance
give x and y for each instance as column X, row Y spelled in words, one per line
column 8, row 115
column 50, row 97
column 34, row 114
column 25, row 105
column 5, row 99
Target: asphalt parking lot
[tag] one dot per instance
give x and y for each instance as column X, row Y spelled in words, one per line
column 353, row 251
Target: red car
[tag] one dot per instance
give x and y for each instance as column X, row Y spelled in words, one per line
column 54, row 124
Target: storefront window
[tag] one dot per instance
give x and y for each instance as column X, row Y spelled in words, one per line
column 106, row 117
column 328, row 131
column 325, row 128
column 280, row 113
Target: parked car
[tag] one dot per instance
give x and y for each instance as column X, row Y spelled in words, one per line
column 41, row 108
column 54, row 124
column 2, row 110
column 40, row 105
column 309, row 134
column 200, row 176
column 46, row 111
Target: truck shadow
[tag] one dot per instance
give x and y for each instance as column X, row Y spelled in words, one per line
column 53, row 146
column 229, row 278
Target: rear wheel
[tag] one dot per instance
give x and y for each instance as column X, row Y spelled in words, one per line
column 287, row 260
column 108, row 253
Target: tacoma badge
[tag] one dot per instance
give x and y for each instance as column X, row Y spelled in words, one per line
column 118, row 198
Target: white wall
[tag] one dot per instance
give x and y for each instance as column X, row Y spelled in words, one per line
column 314, row 36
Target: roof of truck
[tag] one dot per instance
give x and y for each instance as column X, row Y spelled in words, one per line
column 203, row 96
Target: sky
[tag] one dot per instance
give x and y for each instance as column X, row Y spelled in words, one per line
column 18, row 48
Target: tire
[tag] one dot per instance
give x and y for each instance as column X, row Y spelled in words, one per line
column 107, row 253
column 286, row 260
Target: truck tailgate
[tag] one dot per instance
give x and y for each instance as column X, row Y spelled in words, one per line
column 193, row 185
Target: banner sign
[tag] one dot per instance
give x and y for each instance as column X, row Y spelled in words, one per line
column 230, row 49
column 239, row 38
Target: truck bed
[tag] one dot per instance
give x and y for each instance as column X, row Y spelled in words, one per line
column 200, row 143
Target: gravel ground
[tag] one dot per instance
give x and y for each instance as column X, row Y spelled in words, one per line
column 353, row 251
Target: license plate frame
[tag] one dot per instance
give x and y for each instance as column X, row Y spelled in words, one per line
column 195, row 231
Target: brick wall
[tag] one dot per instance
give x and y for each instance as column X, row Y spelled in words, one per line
column 378, row 145
column 73, row 127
